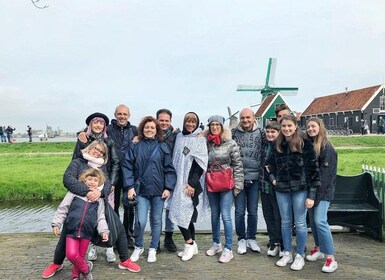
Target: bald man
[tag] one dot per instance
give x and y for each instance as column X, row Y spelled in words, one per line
column 250, row 139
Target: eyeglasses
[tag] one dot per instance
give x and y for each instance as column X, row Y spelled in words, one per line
column 99, row 151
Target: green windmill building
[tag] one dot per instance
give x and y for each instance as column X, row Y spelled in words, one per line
column 272, row 96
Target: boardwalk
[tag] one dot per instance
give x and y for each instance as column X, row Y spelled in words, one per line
column 24, row 256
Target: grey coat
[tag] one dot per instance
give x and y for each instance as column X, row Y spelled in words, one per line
column 228, row 155
column 251, row 146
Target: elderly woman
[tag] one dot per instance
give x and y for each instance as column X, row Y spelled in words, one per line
column 96, row 130
column 190, row 161
column 225, row 151
column 148, row 177
column 96, row 156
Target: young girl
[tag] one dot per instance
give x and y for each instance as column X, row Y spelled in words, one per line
column 149, row 164
column 269, row 199
column 81, row 218
column 294, row 173
column 327, row 160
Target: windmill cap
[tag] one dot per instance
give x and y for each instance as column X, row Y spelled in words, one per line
column 216, row 118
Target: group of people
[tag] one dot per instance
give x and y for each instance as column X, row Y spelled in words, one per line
column 6, row 133
column 155, row 166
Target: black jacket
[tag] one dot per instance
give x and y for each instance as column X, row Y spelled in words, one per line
column 113, row 156
column 71, row 178
column 122, row 135
column 294, row 171
column 328, row 172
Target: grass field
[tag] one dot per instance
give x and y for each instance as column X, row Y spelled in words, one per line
column 35, row 170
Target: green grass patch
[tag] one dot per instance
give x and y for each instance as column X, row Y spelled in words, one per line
column 32, row 176
column 37, row 147
column 350, row 161
column 358, row 141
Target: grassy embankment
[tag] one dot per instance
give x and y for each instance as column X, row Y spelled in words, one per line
column 35, row 170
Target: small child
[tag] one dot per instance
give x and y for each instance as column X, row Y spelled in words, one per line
column 269, row 200
column 82, row 218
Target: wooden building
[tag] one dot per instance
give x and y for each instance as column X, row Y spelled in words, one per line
column 349, row 108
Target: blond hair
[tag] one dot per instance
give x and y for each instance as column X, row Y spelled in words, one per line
column 93, row 173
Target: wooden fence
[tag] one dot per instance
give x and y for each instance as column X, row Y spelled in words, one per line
column 379, row 182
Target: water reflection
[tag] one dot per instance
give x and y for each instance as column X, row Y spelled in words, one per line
column 26, row 216
column 36, row 216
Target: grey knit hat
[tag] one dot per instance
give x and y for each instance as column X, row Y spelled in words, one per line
column 216, row 118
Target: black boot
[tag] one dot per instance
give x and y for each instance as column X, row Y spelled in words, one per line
column 169, row 243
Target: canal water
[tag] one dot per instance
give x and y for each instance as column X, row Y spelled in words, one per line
column 26, row 216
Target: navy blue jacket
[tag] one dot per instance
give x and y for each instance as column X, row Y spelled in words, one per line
column 159, row 175
column 82, row 219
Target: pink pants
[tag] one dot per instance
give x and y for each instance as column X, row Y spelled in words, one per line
column 76, row 249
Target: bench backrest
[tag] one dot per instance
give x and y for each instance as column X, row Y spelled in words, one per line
column 354, row 189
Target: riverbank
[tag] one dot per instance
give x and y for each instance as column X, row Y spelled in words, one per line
column 24, row 256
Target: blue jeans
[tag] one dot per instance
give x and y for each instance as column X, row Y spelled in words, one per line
column 169, row 226
column 141, row 213
column 289, row 204
column 220, row 204
column 318, row 217
column 248, row 198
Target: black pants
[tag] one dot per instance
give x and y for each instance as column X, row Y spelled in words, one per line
column 128, row 212
column 188, row 233
column 272, row 217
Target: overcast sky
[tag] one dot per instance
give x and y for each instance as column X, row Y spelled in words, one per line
column 60, row 64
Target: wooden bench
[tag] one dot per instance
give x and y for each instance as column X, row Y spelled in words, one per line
column 356, row 205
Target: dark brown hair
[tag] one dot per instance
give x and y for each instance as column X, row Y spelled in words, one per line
column 159, row 132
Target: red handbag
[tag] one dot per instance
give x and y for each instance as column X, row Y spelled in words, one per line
column 219, row 179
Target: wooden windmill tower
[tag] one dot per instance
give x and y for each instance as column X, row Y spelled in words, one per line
column 269, row 87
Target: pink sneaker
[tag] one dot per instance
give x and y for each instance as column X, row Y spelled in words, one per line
column 51, row 270
column 129, row 265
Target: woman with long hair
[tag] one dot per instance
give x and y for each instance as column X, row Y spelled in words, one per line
column 293, row 170
column 327, row 160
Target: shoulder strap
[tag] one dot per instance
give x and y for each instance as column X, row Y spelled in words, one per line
column 150, row 159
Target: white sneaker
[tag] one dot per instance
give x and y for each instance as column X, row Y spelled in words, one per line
column 253, row 245
column 299, row 263
column 215, row 249
column 110, row 255
column 287, row 258
column 136, row 254
column 151, row 255
column 180, row 254
column 330, row 265
column 315, row 254
column 92, row 254
column 227, row 255
column 241, row 247
column 189, row 251
column 273, row 250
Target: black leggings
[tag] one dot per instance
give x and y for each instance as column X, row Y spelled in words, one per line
column 188, row 233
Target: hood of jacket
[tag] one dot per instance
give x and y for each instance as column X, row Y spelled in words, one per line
column 255, row 127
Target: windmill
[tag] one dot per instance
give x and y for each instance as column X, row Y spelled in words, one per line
column 233, row 119
column 269, row 88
